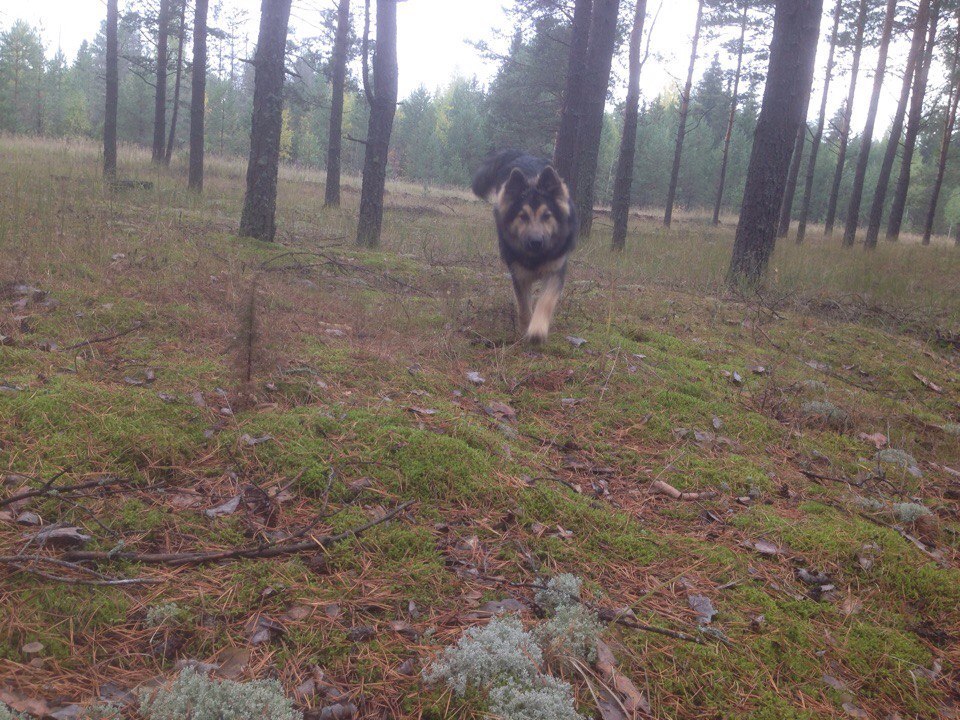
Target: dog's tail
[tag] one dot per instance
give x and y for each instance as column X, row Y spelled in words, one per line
column 494, row 172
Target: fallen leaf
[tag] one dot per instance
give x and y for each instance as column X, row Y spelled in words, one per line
column 332, row 610
column 475, row 377
column 32, row 648
column 408, row 667
column 928, row 383
column 702, row 606
column 251, row 441
column 61, row 537
column 338, row 711
column 878, row 440
column 298, row 612
column 501, row 410
column 262, row 629
column 853, row 711
column 225, row 508
column 233, row 661
column 575, row 341
column 763, row 547
column 361, row 633
column 401, row 627
column 22, row 703
column 851, row 606
column 421, row 410
column 495, row 607
column 834, row 683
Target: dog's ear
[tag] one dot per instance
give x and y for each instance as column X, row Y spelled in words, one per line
column 516, row 184
column 550, row 184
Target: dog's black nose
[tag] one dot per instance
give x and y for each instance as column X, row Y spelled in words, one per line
column 535, row 244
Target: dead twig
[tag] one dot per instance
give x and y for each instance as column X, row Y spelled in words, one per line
column 106, row 338
column 18, row 562
column 48, row 488
column 262, row 551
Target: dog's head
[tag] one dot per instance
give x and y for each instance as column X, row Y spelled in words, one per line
column 534, row 214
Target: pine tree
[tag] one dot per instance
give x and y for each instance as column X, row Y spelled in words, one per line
column 198, row 95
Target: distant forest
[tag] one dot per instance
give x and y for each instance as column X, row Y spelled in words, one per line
column 442, row 134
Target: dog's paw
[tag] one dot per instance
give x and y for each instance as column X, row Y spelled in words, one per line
column 536, row 337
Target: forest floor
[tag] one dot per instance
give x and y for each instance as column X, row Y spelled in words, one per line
column 803, row 415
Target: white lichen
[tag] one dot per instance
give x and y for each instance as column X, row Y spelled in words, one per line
column 193, row 696
column 572, row 632
column 548, row 699
column 951, row 428
column 908, row 512
column 826, row 412
column 7, row 714
column 898, row 458
column 499, row 652
column 814, row 387
column 165, row 614
column 869, row 504
column 560, row 591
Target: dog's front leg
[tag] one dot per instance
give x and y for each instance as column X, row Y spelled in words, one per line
column 546, row 306
column 523, row 289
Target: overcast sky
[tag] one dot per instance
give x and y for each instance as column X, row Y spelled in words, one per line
column 434, row 40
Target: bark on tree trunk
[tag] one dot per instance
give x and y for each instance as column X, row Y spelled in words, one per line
column 866, row 138
column 682, row 123
column 565, row 149
column 821, row 122
column 789, row 79
column 341, row 46
column 260, row 202
column 160, row 92
column 896, row 128
column 734, row 97
column 383, row 108
column 898, row 204
column 603, row 39
column 623, row 181
column 174, row 112
column 845, row 128
column 198, row 95
column 786, row 207
column 952, row 101
column 113, row 83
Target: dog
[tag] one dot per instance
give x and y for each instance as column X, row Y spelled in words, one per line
column 537, row 229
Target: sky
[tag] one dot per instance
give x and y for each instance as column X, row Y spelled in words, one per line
column 434, row 37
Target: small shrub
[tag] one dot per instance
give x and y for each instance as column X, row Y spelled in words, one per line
column 572, row 632
column 560, row 591
column 193, row 696
column 826, row 412
column 548, row 699
column 501, row 651
column 909, row 512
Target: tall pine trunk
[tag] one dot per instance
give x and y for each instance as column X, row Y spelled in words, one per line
column 198, row 95
column 866, row 138
column 341, row 47
column 845, row 126
column 953, row 99
column 898, row 204
column 731, row 118
column 821, row 122
column 623, row 180
column 160, row 91
column 682, row 122
column 258, row 219
column 793, row 50
column 175, row 111
column 786, row 207
column 896, row 128
column 112, row 94
column 565, row 155
column 603, row 40
column 383, row 109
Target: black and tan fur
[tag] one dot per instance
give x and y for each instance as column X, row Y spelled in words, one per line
column 537, row 228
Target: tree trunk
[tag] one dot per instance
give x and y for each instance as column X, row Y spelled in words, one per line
column 793, row 50
column 952, row 101
column 866, row 139
column 160, row 93
column 260, row 202
column 734, row 97
column 198, row 95
column 383, row 108
column 603, row 40
column 628, row 142
column 786, row 207
column 175, row 111
column 821, row 122
column 845, row 129
column 341, row 46
column 565, row 150
column 113, row 86
column 898, row 204
column 896, row 128
column 682, row 123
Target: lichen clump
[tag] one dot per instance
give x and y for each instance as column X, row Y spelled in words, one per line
column 193, row 696
column 908, row 512
column 826, row 412
column 895, row 456
column 951, row 428
column 8, row 714
column 512, row 664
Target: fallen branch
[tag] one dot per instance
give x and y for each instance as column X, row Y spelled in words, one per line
column 106, row 338
column 18, row 563
column 662, row 488
column 612, row 616
column 48, row 488
column 262, row 551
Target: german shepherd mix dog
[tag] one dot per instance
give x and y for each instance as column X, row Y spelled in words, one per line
column 537, row 226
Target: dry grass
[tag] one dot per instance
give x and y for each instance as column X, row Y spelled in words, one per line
column 360, row 384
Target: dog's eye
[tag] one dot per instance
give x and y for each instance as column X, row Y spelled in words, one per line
column 524, row 216
column 546, row 216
